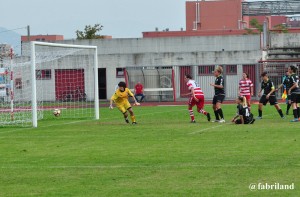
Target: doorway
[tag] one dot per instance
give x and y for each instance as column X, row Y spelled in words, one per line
column 102, row 83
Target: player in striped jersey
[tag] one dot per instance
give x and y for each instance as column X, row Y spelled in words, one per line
column 246, row 88
column 196, row 98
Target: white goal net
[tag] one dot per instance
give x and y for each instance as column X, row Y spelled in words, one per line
column 48, row 77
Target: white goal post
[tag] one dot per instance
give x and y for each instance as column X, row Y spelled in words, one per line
column 34, row 84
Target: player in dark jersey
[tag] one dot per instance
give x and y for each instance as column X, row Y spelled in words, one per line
column 294, row 91
column 243, row 114
column 219, row 94
column 287, row 85
column 268, row 96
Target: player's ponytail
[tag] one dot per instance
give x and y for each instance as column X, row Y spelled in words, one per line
column 294, row 68
column 243, row 100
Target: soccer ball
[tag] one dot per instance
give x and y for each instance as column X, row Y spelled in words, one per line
column 56, row 112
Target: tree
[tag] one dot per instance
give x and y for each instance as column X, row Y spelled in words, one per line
column 254, row 23
column 90, row 32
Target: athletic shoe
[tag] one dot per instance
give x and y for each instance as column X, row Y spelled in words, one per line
column 215, row 121
column 252, row 121
column 208, row 117
column 258, row 117
column 134, row 123
column 126, row 120
column 222, row 121
column 283, row 117
column 193, row 121
column 295, row 120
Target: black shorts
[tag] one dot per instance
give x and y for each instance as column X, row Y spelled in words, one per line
column 272, row 99
column 249, row 120
column 295, row 97
column 218, row 99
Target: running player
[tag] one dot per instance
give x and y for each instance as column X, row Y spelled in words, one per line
column 120, row 98
column 268, row 95
column 294, row 91
column 246, row 89
column 196, row 98
column 219, row 94
column 243, row 115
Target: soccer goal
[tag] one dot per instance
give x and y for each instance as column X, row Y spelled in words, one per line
column 50, row 77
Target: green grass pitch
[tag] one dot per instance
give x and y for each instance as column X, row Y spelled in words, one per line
column 164, row 155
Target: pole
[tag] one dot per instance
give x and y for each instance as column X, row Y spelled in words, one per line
column 11, row 87
column 28, row 33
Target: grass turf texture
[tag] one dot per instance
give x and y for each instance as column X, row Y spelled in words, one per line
column 164, row 155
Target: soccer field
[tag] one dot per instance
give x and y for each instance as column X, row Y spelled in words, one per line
column 163, row 155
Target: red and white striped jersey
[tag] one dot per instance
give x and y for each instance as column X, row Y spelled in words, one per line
column 193, row 84
column 245, row 87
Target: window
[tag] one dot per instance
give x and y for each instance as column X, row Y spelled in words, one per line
column 18, row 83
column 120, row 72
column 231, row 69
column 206, row 70
column 43, row 74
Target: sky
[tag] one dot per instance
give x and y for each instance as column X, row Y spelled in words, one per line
column 120, row 18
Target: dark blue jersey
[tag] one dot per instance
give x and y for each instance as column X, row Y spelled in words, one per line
column 294, row 79
column 286, row 82
column 245, row 112
column 267, row 87
column 219, row 81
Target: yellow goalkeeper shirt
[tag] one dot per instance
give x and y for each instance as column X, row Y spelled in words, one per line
column 121, row 97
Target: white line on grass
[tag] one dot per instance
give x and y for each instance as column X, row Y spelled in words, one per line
column 139, row 166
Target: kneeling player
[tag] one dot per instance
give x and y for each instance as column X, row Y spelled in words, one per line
column 121, row 100
column 243, row 115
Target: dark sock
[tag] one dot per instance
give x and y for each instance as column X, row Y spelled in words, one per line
column 298, row 111
column 295, row 112
column 260, row 113
column 220, row 112
column 288, row 107
column 217, row 115
column 280, row 112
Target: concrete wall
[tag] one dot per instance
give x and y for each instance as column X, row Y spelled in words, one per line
column 285, row 40
column 175, row 51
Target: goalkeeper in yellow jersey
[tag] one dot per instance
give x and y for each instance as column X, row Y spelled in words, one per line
column 120, row 98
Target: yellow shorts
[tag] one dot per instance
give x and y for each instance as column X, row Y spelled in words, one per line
column 123, row 106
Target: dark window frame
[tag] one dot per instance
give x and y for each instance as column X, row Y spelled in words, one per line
column 44, row 74
column 120, row 72
column 205, row 70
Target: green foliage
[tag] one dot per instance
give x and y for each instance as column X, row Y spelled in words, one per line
column 163, row 155
column 282, row 28
column 90, row 32
column 254, row 23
